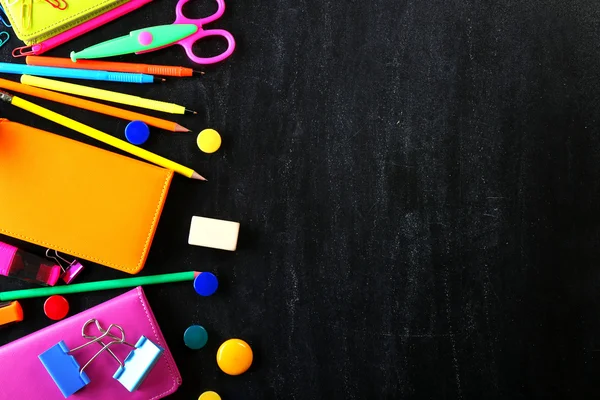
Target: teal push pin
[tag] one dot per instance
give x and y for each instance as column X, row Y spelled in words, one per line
column 195, row 337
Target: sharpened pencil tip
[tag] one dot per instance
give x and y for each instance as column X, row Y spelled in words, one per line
column 197, row 73
column 191, row 111
column 179, row 128
column 199, row 177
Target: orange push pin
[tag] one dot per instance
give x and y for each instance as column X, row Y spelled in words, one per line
column 234, row 357
column 10, row 312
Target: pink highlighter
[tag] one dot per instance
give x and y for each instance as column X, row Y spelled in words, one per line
column 16, row 263
column 79, row 30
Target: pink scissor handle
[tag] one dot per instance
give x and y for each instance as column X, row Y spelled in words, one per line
column 188, row 44
column 182, row 19
column 189, row 41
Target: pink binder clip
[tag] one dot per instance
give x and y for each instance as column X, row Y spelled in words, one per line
column 16, row 263
column 70, row 272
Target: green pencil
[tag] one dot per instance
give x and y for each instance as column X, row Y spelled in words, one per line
column 100, row 285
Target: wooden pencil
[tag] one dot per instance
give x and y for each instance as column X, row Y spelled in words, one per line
column 92, row 106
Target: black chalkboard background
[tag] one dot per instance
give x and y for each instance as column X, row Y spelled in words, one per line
column 417, row 184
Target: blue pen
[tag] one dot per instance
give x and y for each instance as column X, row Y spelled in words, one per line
column 22, row 69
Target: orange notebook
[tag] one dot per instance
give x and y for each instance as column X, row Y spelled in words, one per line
column 78, row 199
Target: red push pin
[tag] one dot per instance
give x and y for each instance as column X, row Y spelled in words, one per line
column 56, row 307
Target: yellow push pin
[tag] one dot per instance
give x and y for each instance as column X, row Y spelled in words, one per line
column 209, row 396
column 209, row 141
column 234, row 357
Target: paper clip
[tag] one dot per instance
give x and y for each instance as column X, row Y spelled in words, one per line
column 71, row 271
column 65, row 370
column 27, row 6
column 2, row 16
column 4, row 36
column 26, row 15
column 60, row 4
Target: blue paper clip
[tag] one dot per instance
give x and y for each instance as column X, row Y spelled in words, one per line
column 6, row 24
column 138, row 364
column 65, row 370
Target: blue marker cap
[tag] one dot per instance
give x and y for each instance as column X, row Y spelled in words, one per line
column 137, row 132
column 206, row 284
column 195, row 337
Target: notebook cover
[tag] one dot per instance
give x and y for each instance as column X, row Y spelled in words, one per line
column 78, row 199
column 26, row 378
column 47, row 21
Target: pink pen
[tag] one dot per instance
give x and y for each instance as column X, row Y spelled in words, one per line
column 79, row 30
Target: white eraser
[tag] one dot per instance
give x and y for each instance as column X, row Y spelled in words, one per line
column 214, row 233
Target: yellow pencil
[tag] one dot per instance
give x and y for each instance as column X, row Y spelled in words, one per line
column 106, row 95
column 99, row 135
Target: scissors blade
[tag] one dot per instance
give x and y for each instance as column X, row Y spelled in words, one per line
column 140, row 40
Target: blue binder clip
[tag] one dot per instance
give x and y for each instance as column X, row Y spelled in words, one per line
column 138, row 364
column 65, row 370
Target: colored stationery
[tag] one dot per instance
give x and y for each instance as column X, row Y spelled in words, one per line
column 70, row 376
column 107, row 208
column 16, row 263
column 38, row 21
column 132, row 313
column 99, row 135
column 91, row 106
column 79, row 29
column 4, row 20
column 11, row 68
column 100, row 285
column 106, row 95
column 4, row 37
column 184, row 32
column 10, row 312
column 164, row 70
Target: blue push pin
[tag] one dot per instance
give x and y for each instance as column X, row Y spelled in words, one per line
column 206, row 284
column 137, row 132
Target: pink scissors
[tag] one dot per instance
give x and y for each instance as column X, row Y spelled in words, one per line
column 184, row 32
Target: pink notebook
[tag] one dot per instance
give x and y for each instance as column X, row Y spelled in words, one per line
column 26, row 378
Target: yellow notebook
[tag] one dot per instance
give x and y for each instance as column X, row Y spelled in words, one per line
column 45, row 21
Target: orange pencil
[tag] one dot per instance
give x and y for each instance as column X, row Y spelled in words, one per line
column 164, row 70
column 92, row 106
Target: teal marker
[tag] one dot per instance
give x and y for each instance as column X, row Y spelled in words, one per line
column 74, row 73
